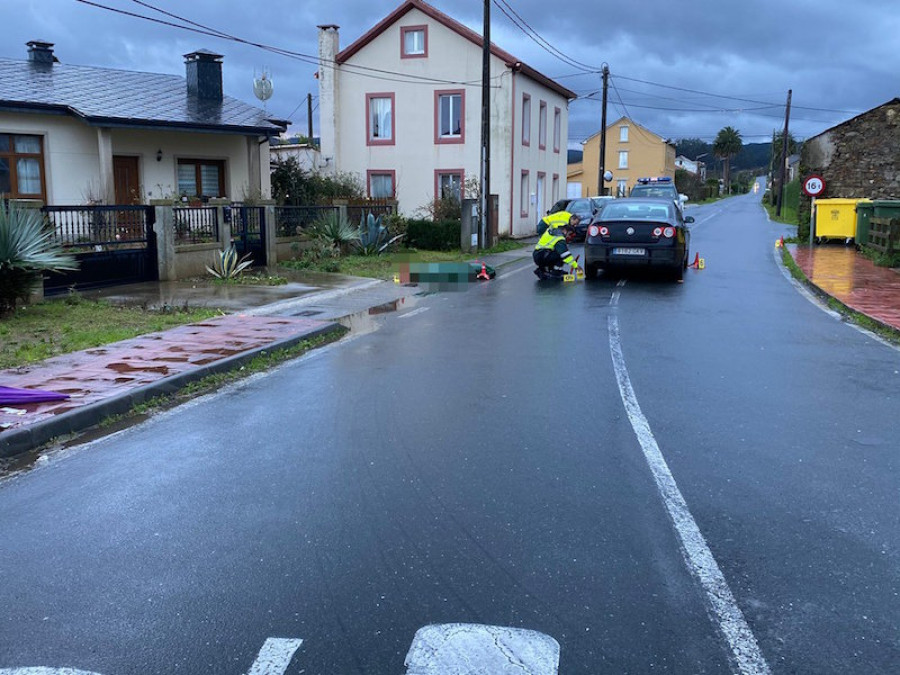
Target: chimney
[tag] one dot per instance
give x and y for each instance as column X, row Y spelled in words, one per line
column 329, row 106
column 41, row 53
column 204, row 74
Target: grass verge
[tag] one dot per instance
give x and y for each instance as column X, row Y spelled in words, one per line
column 37, row 332
column 386, row 265
column 882, row 330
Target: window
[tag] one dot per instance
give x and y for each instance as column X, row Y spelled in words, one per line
column 621, row 188
column 448, row 184
column 526, row 119
column 201, row 178
column 381, row 184
column 623, row 159
column 21, row 166
column 542, row 125
column 449, row 116
column 623, row 134
column 525, row 189
column 557, row 128
column 413, row 42
column 380, row 119
column 554, row 191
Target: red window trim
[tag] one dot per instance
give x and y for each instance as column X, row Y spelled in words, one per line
column 450, row 140
column 437, row 186
column 393, row 138
column 11, row 155
column 542, row 131
column 407, row 29
column 557, row 133
column 381, row 172
column 526, row 120
column 525, row 197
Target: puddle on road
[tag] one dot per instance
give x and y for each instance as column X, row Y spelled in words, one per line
column 368, row 320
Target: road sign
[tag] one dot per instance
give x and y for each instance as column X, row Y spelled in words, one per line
column 814, row 185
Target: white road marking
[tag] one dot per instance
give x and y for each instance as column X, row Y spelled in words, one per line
column 745, row 652
column 474, row 649
column 414, row 312
column 40, row 670
column 275, row 656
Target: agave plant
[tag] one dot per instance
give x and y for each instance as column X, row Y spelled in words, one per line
column 26, row 251
column 227, row 266
column 374, row 238
column 336, row 231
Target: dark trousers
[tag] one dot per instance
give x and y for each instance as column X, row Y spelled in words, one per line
column 546, row 258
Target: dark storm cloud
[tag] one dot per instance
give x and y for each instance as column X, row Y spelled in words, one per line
column 839, row 59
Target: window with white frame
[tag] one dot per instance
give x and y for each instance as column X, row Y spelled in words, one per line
column 621, row 187
column 525, row 193
column 623, row 159
column 414, row 41
column 450, row 116
column 380, row 119
column 557, row 129
column 381, row 184
column 449, row 185
column 21, row 166
column 623, row 133
column 542, row 125
column 526, row 119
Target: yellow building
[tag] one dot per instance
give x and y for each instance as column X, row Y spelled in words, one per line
column 632, row 152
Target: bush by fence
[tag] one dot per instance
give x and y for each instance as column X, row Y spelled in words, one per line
column 433, row 236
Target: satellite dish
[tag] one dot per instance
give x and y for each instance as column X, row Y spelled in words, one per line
column 263, row 87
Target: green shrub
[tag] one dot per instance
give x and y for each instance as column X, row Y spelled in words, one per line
column 433, row 236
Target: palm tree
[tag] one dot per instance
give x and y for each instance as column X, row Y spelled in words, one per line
column 26, row 250
column 728, row 143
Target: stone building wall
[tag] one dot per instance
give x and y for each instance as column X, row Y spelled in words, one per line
column 859, row 158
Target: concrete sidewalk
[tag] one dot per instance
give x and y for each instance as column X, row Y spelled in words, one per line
column 111, row 379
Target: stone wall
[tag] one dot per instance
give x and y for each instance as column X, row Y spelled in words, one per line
column 858, row 158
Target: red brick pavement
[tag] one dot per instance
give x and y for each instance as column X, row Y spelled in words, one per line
column 853, row 279
column 96, row 374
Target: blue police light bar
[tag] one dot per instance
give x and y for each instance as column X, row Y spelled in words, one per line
column 656, row 179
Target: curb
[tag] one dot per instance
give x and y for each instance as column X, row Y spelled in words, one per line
column 17, row 441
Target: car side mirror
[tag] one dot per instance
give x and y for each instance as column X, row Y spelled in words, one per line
column 689, row 219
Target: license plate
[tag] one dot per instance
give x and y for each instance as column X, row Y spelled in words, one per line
column 629, row 251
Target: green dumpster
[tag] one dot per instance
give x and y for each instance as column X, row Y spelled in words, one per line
column 884, row 227
column 864, row 211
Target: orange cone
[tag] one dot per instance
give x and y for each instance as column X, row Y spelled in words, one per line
column 483, row 273
column 696, row 263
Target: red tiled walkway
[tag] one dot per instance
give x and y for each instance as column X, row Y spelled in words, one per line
column 95, row 374
column 853, row 279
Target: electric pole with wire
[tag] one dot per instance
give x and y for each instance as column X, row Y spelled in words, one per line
column 602, row 163
column 784, row 145
column 484, row 229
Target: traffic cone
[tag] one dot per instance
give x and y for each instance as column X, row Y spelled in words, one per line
column 696, row 264
column 780, row 243
column 483, row 274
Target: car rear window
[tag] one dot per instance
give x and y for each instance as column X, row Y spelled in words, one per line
column 623, row 210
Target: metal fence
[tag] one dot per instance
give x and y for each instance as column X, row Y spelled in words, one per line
column 98, row 227
column 196, row 224
column 357, row 211
column 293, row 220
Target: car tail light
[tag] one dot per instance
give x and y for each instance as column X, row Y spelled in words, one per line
column 594, row 231
column 657, row 232
column 604, row 231
column 669, row 232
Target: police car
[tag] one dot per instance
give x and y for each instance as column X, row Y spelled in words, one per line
column 660, row 187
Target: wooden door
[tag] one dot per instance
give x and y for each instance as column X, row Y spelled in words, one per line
column 126, row 179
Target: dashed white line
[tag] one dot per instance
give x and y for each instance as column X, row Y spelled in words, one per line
column 275, row 656
column 723, row 608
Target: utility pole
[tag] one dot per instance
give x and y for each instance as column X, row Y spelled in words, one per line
column 309, row 119
column 602, row 163
column 784, row 145
column 483, row 230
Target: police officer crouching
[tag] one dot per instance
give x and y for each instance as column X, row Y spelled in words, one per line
column 551, row 250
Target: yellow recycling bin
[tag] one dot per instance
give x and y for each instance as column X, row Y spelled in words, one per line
column 836, row 219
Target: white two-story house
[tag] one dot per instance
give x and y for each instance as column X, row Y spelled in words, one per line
column 401, row 107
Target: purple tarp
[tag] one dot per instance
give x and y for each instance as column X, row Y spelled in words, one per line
column 13, row 396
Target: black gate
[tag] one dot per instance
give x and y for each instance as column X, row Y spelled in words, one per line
column 248, row 231
column 113, row 245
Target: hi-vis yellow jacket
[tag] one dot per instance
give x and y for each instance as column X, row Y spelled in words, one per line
column 554, row 239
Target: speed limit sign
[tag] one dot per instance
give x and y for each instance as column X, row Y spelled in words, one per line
column 814, row 185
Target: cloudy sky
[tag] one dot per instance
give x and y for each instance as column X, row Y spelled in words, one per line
column 684, row 69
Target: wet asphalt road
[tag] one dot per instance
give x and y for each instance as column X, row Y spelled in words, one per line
column 472, row 461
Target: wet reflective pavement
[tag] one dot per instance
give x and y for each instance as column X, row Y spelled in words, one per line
column 841, row 272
